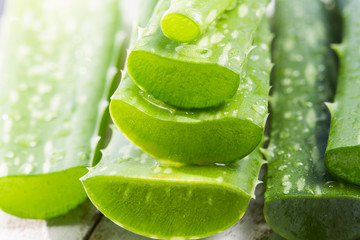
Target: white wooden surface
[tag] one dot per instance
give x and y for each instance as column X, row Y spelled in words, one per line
column 76, row 225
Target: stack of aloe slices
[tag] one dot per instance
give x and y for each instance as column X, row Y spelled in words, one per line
column 220, row 134
column 54, row 84
column 302, row 200
column 174, row 199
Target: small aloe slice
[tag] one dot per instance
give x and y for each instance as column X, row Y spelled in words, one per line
column 200, row 74
column 217, row 135
column 185, row 20
column 168, row 201
column 54, row 82
column 302, row 200
column 342, row 156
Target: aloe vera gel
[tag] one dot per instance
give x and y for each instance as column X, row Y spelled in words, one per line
column 167, row 201
column 186, row 20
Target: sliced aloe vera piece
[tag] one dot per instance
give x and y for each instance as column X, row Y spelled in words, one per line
column 200, row 74
column 55, row 79
column 302, row 200
column 185, row 20
column 342, row 156
column 168, row 201
column 217, row 135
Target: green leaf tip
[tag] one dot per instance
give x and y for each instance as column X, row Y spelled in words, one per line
column 338, row 48
column 331, row 106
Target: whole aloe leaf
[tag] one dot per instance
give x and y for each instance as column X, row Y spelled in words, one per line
column 342, row 156
column 58, row 59
column 302, row 200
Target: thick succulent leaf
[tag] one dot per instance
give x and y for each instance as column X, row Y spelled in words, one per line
column 200, row 74
column 58, row 59
column 342, row 156
column 160, row 200
column 215, row 135
column 302, row 200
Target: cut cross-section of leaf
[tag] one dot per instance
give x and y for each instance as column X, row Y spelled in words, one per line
column 200, row 74
column 216, row 135
column 169, row 201
column 184, row 21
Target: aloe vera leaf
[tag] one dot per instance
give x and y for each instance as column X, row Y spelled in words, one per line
column 200, row 74
column 168, row 201
column 302, row 200
column 342, row 157
column 56, row 69
column 185, row 21
column 217, row 135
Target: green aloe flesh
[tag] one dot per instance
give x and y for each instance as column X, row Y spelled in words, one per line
column 185, row 20
column 200, row 74
column 302, row 200
column 169, row 201
column 342, row 156
column 216, row 135
column 56, row 70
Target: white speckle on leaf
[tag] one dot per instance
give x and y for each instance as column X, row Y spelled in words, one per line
column 300, row 184
column 219, row 179
column 225, row 55
column 216, row 38
column 211, row 16
column 243, row 10
column 286, row 183
column 235, row 34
